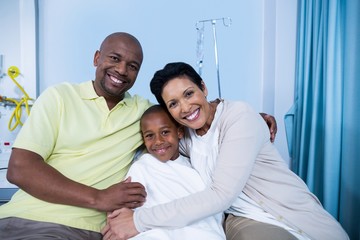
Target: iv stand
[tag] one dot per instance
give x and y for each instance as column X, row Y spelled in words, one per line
column 226, row 23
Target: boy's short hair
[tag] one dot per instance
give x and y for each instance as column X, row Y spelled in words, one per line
column 156, row 109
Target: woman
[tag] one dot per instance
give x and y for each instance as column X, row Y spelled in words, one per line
column 228, row 145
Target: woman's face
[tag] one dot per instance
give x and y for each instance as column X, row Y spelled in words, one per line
column 186, row 102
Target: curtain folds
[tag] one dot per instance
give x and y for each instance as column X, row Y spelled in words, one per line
column 323, row 124
column 349, row 204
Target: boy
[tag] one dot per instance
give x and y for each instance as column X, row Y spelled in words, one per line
column 167, row 175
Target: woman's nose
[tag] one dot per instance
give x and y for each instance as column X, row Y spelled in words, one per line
column 185, row 107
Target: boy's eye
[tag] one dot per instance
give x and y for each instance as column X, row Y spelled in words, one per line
column 165, row 132
column 148, row 136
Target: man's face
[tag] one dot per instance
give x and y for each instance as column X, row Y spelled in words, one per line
column 118, row 63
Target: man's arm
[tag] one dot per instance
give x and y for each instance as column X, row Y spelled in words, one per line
column 271, row 122
column 31, row 173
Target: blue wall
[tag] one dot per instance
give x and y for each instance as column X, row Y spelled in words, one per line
column 256, row 53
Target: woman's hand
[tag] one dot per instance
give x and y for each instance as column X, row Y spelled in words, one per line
column 119, row 225
column 271, row 122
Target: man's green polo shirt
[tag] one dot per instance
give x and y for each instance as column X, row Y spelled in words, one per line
column 71, row 127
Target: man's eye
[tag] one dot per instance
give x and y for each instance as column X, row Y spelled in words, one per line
column 134, row 67
column 116, row 59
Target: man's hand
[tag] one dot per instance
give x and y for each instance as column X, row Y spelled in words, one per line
column 271, row 122
column 119, row 225
column 125, row 194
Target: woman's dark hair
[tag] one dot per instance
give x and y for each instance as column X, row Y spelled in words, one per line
column 169, row 72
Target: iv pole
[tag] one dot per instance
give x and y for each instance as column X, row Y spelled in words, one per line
column 226, row 23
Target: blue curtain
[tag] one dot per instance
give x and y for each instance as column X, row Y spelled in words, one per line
column 323, row 125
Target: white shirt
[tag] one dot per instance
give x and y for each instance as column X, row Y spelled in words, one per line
column 166, row 181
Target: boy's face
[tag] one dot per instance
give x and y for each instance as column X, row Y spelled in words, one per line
column 161, row 136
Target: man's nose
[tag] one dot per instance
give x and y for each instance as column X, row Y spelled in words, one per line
column 121, row 68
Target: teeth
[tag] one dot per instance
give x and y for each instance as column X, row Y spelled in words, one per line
column 193, row 115
column 114, row 79
column 162, row 150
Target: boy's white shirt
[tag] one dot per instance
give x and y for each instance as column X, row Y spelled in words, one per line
column 166, row 181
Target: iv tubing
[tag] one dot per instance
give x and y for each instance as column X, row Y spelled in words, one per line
column 200, row 48
column 13, row 72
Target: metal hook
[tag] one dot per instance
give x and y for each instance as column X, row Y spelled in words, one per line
column 197, row 25
column 226, row 22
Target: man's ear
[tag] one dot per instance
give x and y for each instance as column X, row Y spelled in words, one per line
column 96, row 58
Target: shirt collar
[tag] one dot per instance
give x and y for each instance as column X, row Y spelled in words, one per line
column 87, row 92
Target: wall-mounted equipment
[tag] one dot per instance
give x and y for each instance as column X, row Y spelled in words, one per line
column 18, row 103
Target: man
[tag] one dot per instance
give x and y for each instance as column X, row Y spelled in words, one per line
column 75, row 148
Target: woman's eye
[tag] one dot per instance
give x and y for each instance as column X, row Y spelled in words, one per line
column 189, row 93
column 171, row 105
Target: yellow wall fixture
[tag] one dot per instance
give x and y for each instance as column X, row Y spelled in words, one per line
column 15, row 118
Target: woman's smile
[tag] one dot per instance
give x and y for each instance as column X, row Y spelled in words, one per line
column 186, row 102
column 193, row 116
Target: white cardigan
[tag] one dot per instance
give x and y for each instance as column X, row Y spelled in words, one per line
column 246, row 162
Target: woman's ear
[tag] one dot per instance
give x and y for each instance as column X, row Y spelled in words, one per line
column 204, row 88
